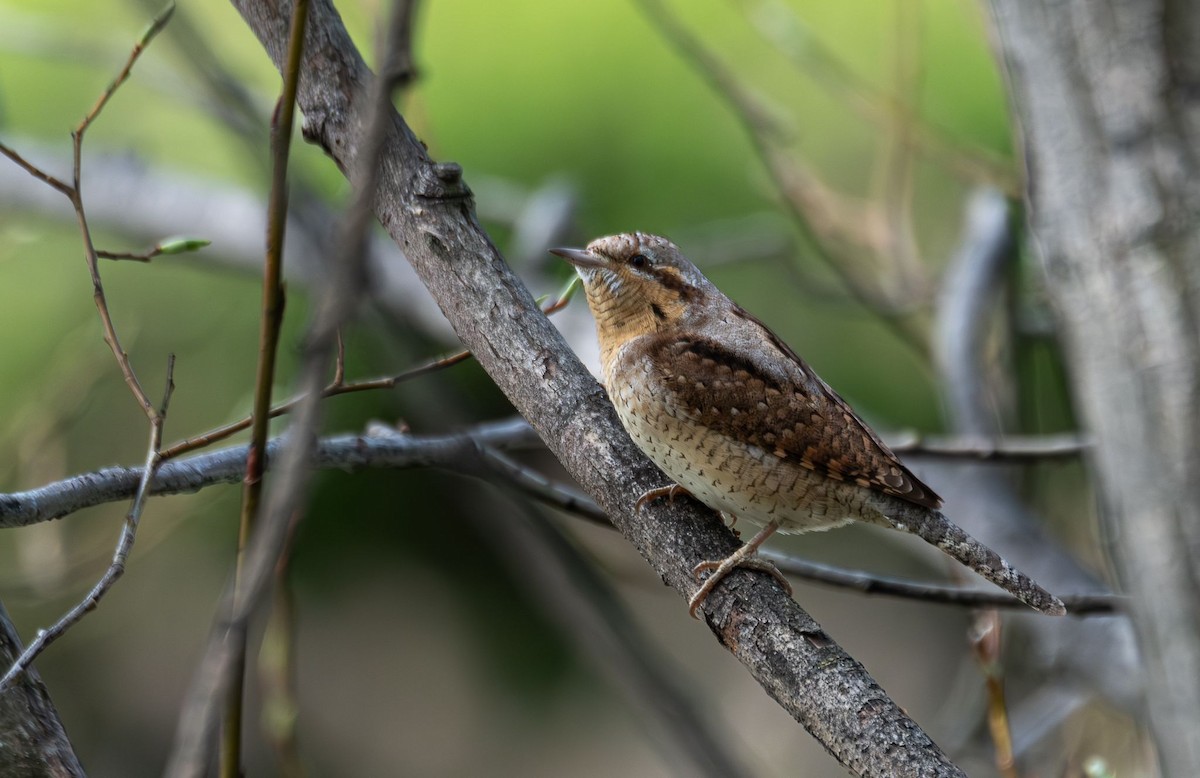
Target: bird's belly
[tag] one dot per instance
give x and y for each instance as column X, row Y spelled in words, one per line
column 736, row 478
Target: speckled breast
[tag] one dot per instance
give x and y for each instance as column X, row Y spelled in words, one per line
column 737, row 478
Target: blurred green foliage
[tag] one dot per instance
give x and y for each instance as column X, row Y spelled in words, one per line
column 526, row 91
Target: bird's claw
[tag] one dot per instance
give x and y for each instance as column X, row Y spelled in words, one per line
column 670, row 492
column 722, row 568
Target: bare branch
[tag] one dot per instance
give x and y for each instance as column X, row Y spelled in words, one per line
column 332, row 390
column 780, row 25
column 384, row 447
column 1106, row 101
column 36, row 171
column 156, row 416
column 987, row 448
column 124, row 545
column 219, row 665
column 270, row 324
column 825, row 218
column 985, row 644
column 546, row 491
column 226, row 466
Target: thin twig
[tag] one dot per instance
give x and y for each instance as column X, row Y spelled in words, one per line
column 332, row 390
column 76, row 196
column 124, row 545
column 170, row 246
column 179, row 475
column 990, row 449
column 36, row 171
column 271, row 321
column 277, row 671
column 156, row 416
column 817, row 211
column 215, row 675
column 226, row 466
column 985, row 645
column 153, row 29
column 337, row 387
column 550, row 493
column 780, row 25
column 944, row 594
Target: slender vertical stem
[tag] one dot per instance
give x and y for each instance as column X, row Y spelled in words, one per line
column 214, row 678
column 985, row 643
column 277, row 669
column 272, row 317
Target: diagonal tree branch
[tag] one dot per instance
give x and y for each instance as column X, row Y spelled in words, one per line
column 427, row 209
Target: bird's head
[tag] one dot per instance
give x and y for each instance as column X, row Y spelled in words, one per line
column 637, row 284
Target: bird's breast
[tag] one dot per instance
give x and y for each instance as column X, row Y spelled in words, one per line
column 728, row 475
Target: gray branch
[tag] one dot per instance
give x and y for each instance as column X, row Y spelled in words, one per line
column 477, row 451
column 1107, row 101
column 32, row 740
column 1078, row 659
column 428, row 210
column 227, row 466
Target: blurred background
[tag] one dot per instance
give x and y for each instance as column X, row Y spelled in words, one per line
column 421, row 649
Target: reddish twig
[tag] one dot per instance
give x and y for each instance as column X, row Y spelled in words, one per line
column 332, row 390
column 217, row 675
column 155, row 416
column 273, row 301
column 985, row 644
column 36, row 171
column 76, row 197
column 170, row 246
column 338, row 387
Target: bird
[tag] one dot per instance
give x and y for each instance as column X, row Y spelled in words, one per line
column 739, row 421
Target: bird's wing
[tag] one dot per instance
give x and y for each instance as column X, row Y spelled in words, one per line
column 778, row 403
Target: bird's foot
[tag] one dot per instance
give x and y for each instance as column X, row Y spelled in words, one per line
column 670, row 492
column 746, row 557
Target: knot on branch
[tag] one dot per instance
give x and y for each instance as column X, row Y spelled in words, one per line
column 442, row 181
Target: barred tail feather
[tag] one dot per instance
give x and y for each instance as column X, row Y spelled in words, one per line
column 934, row 528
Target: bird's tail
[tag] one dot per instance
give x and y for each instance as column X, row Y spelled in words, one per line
column 934, row 528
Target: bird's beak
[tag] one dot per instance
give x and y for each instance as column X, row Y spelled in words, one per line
column 582, row 258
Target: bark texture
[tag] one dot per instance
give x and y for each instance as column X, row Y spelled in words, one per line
column 1108, row 98
column 33, row 743
column 428, row 210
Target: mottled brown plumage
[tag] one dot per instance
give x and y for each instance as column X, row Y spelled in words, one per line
column 741, row 422
column 804, row 422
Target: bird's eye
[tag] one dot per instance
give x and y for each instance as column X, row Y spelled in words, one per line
column 638, row 261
